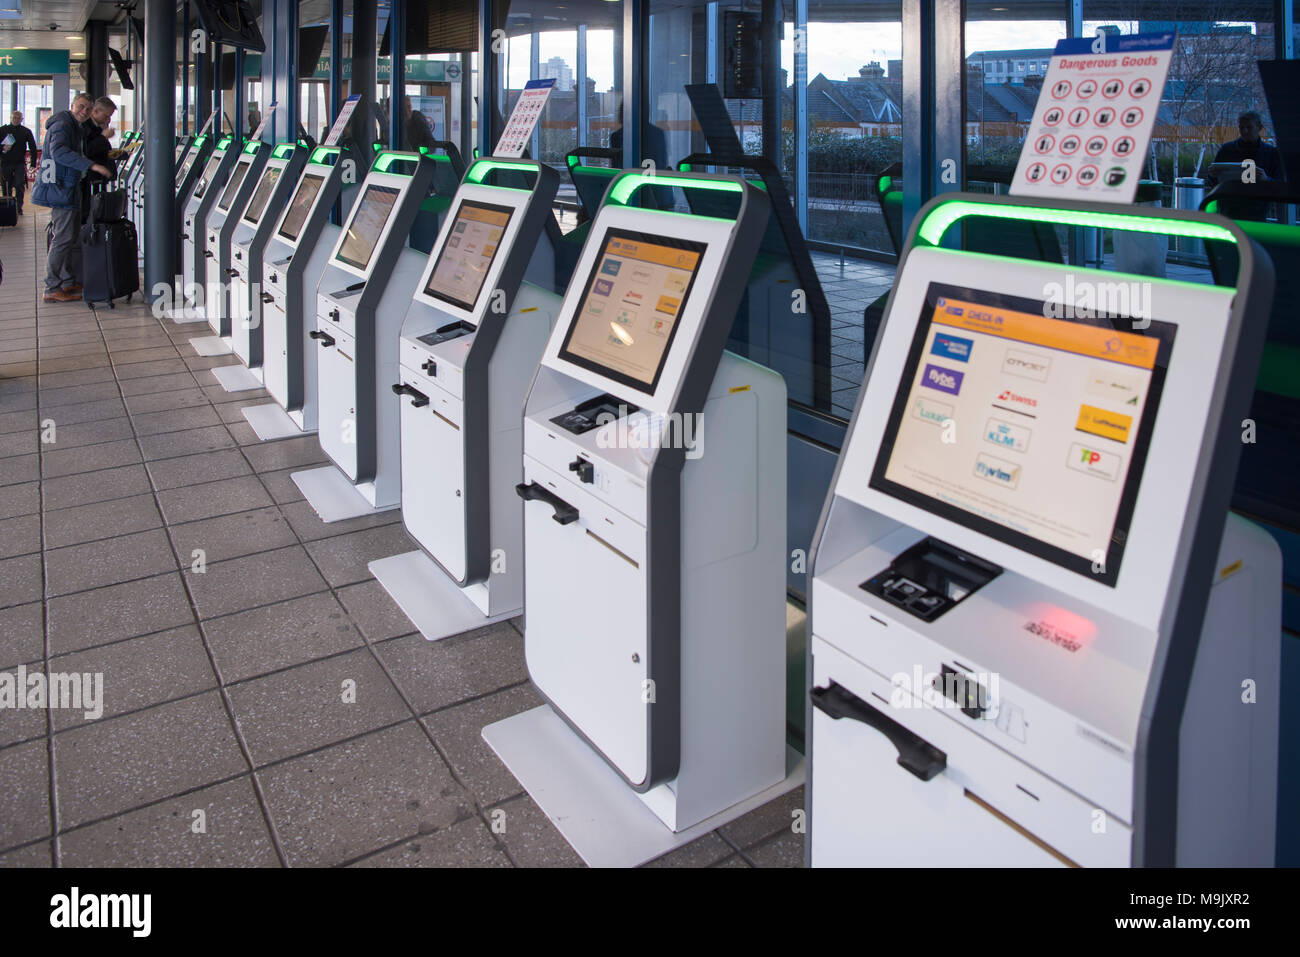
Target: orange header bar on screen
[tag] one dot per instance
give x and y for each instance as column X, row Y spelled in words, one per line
column 490, row 216
column 1124, row 347
column 652, row 253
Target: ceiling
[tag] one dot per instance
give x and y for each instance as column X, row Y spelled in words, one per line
column 32, row 28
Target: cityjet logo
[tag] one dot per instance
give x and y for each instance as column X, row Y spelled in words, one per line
column 645, row 431
column 75, row 910
column 75, row 691
column 1085, row 299
column 952, row 689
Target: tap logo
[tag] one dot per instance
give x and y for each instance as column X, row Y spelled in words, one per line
column 943, row 380
column 1090, row 461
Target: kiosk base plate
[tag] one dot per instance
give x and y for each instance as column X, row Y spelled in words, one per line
column 236, row 378
column 599, row 815
column 332, row 496
column 271, row 422
column 211, row 346
column 435, row 603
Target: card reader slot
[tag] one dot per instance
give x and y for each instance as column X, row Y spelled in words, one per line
column 915, row 754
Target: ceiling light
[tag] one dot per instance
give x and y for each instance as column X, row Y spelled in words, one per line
column 77, row 37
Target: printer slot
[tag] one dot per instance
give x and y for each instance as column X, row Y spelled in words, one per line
column 931, row 578
column 587, row 415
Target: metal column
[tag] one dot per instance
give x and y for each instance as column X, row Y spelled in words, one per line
column 534, row 65
column 160, row 241
column 336, row 60
column 97, row 58
column 580, row 93
column 934, row 140
column 185, row 74
column 1284, row 29
column 801, row 114
column 397, row 74
column 364, row 47
column 770, row 38
column 636, row 91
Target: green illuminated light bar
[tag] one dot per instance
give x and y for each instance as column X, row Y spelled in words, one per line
column 252, row 145
column 223, row 143
column 440, row 157
column 885, row 183
column 319, row 153
column 480, row 169
column 385, row 160
column 936, row 224
column 282, row 151
column 629, row 183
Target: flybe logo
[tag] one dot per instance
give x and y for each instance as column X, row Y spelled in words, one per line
column 944, row 380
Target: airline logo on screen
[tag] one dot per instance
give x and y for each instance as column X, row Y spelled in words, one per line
column 944, row 380
column 997, row 471
column 951, row 347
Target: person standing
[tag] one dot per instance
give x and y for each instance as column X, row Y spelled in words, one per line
column 57, row 186
column 16, row 141
column 97, row 148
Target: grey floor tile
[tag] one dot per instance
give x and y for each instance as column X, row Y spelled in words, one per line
column 313, row 705
column 287, row 453
column 209, row 499
column 229, row 536
column 374, row 612
column 20, row 468
column 702, row 852
column 107, row 562
column 243, row 433
column 17, row 401
column 467, row 844
column 175, row 420
column 90, row 487
column 164, row 402
column 20, row 580
column 22, row 634
column 30, row 721
column 233, row 833
column 84, row 413
column 282, row 486
column 128, row 357
column 78, row 394
column 19, row 536
column 783, row 850
column 307, row 524
column 87, row 523
column 436, row 674
column 345, row 801
column 111, row 766
column 232, row 413
column 149, row 385
column 20, row 499
column 118, row 611
column 459, row 733
column 531, row 839
column 19, row 443
column 139, row 672
column 25, row 797
column 278, row 636
column 197, row 469
column 344, row 559
column 763, row 822
column 172, row 445
column 254, row 580
column 26, row 421
column 158, row 367
column 57, row 462
column 40, row 854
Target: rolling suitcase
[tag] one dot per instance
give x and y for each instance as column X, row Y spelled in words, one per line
column 8, row 211
column 109, row 262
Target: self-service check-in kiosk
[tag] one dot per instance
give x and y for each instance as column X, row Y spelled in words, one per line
column 469, row 347
column 222, row 220
column 1035, row 639
column 300, row 245
column 654, row 539
column 361, row 300
column 208, row 187
column 247, row 244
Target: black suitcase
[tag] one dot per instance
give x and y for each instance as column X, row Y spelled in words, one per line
column 108, row 205
column 8, row 211
column 109, row 262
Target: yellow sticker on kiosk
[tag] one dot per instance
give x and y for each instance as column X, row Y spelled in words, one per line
column 1109, row 425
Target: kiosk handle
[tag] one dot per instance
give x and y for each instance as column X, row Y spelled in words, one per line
column 267, row 297
column 232, row 272
column 915, row 754
column 325, row 338
column 565, row 513
column 418, row 398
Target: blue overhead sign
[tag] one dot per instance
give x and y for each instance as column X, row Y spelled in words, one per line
column 33, row 62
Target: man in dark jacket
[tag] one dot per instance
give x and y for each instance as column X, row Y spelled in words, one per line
column 16, row 142
column 97, row 148
column 63, row 162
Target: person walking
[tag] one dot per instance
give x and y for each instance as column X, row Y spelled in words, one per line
column 58, row 186
column 16, row 141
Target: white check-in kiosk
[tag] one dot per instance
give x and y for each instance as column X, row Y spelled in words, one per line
column 249, row 242
column 361, row 300
column 208, row 188
column 300, row 245
column 469, row 347
column 654, row 538
column 1038, row 636
column 222, row 220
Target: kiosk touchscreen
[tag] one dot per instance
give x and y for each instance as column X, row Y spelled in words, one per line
column 188, row 174
column 654, row 537
column 300, row 243
column 247, row 244
column 1023, row 576
column 469, row 347
column 223, row 218
column 209, row 187
column 361, row 300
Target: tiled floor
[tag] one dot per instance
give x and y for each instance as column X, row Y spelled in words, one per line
column 850, row 286
column 225, row 738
